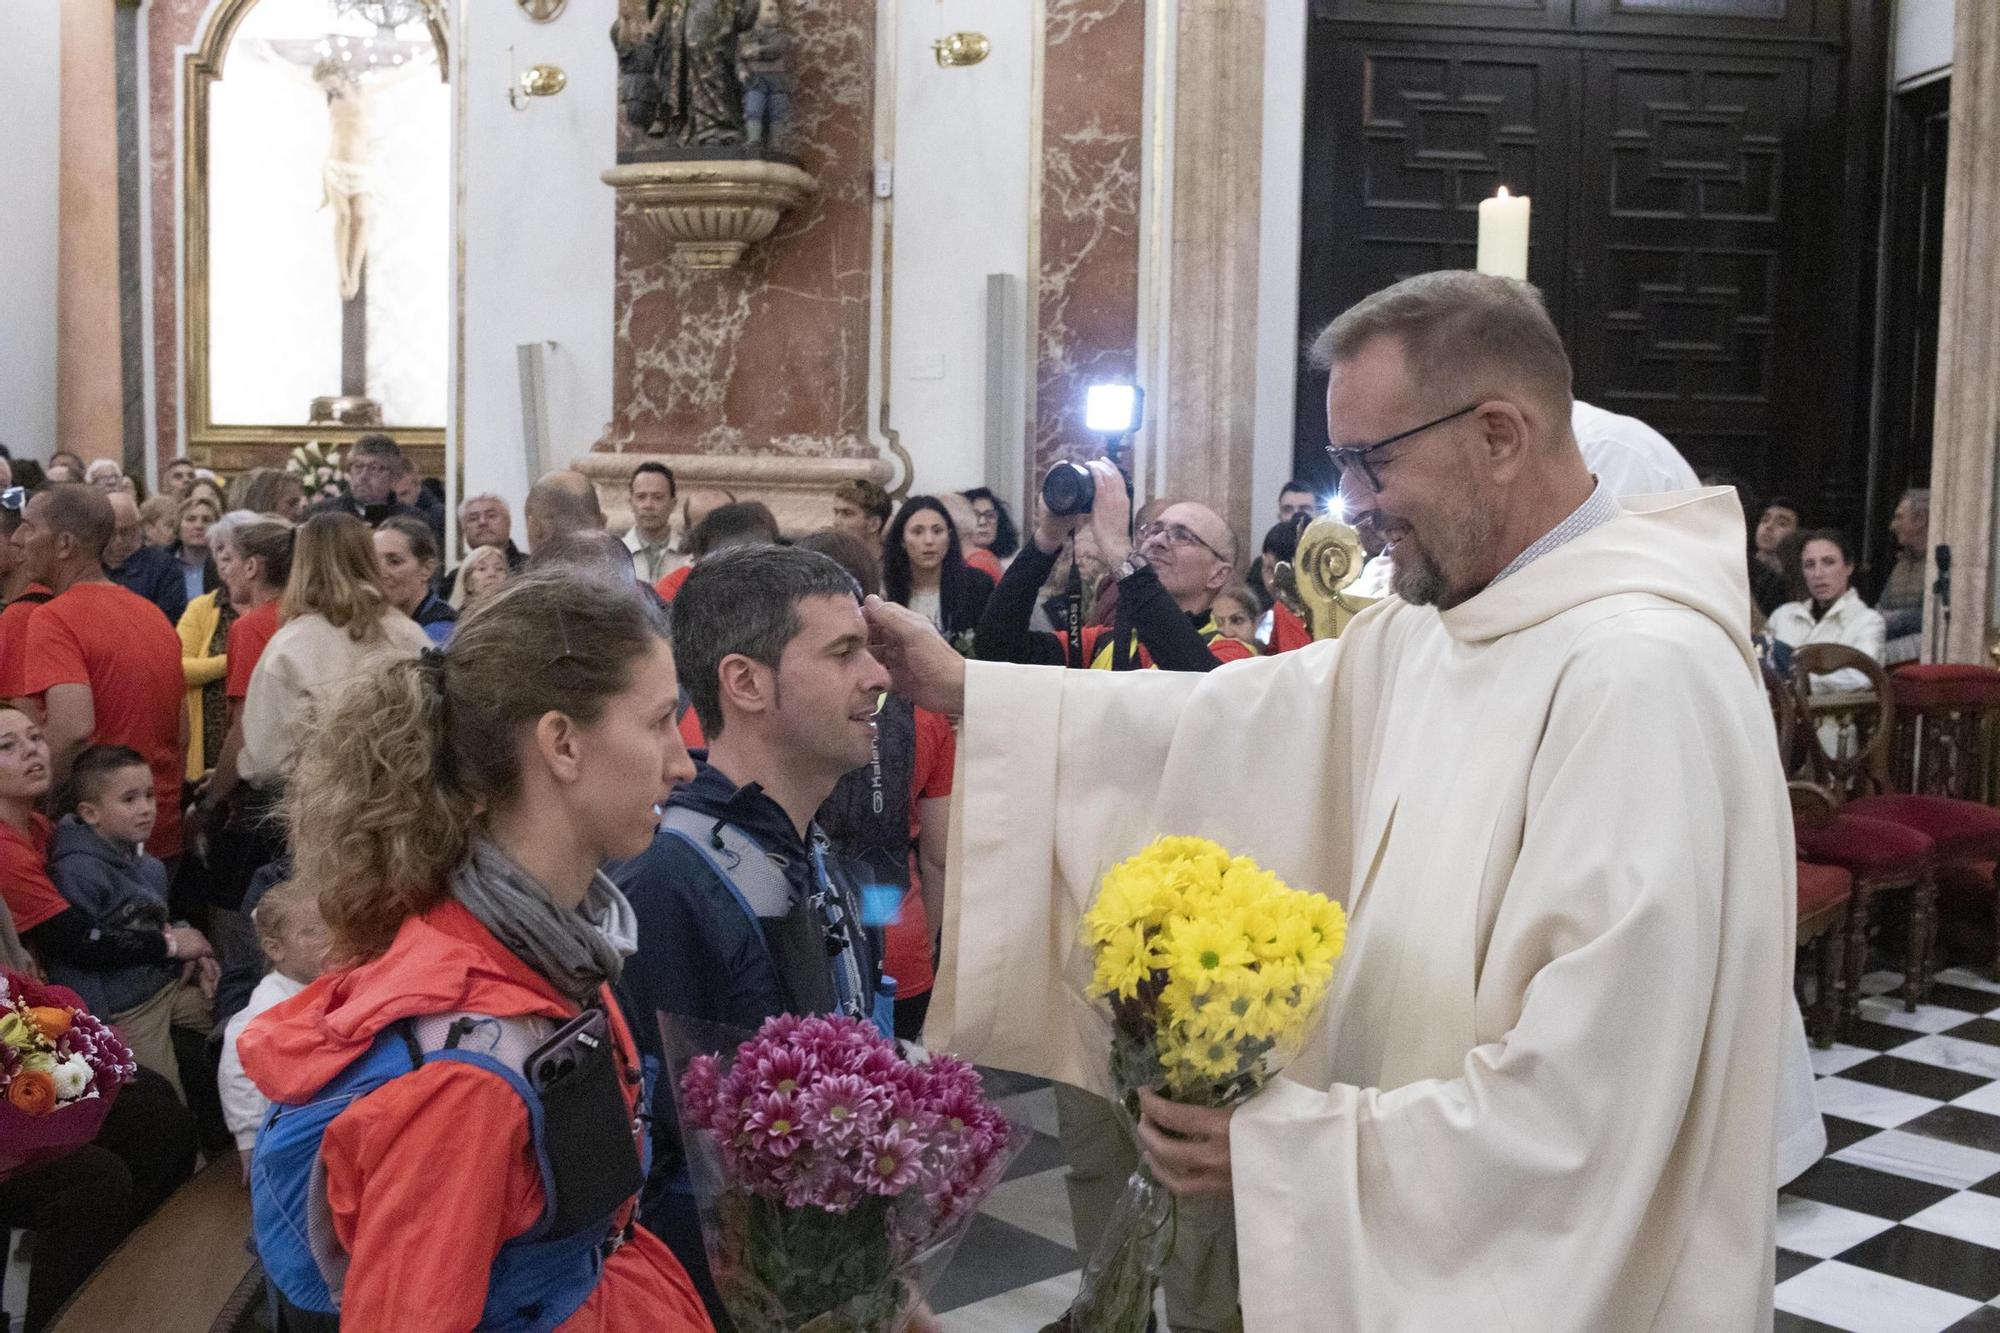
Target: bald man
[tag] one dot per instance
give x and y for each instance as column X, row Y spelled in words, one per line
column 561, row 503
column 1168, row 575
column 149, row 571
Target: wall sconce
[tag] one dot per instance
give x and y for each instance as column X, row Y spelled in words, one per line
column 534, row 81
column 961, row 49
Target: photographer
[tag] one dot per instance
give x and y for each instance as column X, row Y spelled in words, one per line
column 1166, row 584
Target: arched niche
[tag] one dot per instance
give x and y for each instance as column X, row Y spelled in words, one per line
column 316, row 233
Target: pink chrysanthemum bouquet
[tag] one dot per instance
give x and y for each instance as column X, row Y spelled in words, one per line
column 836, row 1177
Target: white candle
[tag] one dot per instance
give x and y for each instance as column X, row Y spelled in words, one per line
column 1503, row 235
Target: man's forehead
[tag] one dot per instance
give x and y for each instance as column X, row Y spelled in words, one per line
column 1198, row 518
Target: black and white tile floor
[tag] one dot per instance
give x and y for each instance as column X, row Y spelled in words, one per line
column 1897, row 1230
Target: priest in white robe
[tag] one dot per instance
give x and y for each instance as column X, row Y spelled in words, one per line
column 1561, row 1074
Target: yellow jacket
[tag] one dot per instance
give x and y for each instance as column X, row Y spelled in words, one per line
column 197, row 627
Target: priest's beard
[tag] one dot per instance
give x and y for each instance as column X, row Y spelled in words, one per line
column 1420, row 576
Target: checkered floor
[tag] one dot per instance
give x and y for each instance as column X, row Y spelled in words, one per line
column 1897, row 1230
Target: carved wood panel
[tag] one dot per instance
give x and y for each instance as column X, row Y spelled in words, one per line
column 1399, row 159
column 1694, row 249
column 1690, row 212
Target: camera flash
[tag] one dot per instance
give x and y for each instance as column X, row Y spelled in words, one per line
column 1112, row 409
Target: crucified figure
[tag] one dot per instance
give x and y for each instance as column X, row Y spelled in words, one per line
column 345, row 178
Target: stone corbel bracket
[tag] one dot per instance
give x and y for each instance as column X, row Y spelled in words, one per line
column 799, row 491
column 710, row 211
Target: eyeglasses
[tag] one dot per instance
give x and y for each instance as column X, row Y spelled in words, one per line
column 14, row 499
column 1177, row 535
column 1360, row 455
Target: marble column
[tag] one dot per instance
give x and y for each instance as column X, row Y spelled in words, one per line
column 1966, row 435
column 1211, row 313
column 90, row 389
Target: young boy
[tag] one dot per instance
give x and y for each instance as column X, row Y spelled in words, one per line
column 295, row 939
column 98, row 863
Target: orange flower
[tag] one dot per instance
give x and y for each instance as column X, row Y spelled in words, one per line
column 33, row 1091
column 53, row 1022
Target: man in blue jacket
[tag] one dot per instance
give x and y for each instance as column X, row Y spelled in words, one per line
column 744, row 910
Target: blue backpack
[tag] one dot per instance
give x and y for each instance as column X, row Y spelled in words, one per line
column 539, row 1278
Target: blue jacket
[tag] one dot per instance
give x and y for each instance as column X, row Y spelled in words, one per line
column 118, row 889
column 701, row 956
column 156, row 576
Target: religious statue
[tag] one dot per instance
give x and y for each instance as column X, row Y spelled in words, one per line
column 767, row 83
column 344, row 179
column 678, row 62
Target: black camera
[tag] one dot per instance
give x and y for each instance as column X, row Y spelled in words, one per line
column 1069, row 488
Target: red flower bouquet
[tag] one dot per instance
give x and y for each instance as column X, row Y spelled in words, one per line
column 60, row 1069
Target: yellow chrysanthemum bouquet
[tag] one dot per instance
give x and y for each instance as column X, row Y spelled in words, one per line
column 1212, row 971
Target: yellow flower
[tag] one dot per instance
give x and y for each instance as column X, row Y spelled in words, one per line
column 1124, row 959
column 1200, row 950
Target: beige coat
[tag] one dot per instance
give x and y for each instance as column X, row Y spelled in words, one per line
column 302, row 672
column 1562, row 1073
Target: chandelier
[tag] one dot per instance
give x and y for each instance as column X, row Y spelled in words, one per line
column 386, row 15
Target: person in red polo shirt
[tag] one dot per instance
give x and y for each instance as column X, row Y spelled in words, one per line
column 105, row 663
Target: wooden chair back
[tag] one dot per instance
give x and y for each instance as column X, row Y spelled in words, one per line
column 1784, row 717
column 1868, row 716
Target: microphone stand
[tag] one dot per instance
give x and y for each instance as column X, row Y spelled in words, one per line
column 1941, row 590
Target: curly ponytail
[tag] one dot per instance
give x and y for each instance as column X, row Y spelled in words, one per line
column 374, row 828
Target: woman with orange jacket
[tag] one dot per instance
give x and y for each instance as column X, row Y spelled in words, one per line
column 452, row 814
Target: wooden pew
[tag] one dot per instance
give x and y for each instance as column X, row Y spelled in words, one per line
column 178, row 1272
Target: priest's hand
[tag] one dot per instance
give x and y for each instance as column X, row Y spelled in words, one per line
column 1187, row 1146
column 923, row 668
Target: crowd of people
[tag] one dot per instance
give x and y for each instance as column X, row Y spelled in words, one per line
column 250, row 734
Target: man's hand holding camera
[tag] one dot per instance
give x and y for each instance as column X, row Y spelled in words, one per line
column 1108, row 517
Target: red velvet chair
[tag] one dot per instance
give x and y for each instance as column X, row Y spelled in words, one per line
column 1947, row 714
column 1958, row 831
column 1825, row 895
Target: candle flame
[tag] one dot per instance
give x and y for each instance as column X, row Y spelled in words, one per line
column 1502, row 194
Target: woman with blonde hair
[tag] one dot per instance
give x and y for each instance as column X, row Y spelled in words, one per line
column 484, row 570
column 338, row 626
column 452, row 816
column 269, row 490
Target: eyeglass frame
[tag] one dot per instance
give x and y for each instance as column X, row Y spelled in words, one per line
column 1358, row 454
column 1146, row 533
column 14, row 499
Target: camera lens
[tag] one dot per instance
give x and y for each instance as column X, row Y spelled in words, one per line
column 1068, row 489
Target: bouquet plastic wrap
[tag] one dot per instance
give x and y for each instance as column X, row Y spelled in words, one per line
column 835, row 1177
column 1211, row 972
column 60, row 1069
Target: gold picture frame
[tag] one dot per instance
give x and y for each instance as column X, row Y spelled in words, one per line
column 234, row 447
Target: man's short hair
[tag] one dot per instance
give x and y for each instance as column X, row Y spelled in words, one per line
column 1296, row 485
column 589, row 549
column 746, row 521
column 1919, row 498
column 93, row 770
column 1463, row 335
column 565, row 501
column 745, row 602
column 471, row 500
column 866, row 496
column 376, row 445
column 1785, row 502
column 850, row 553
column 84, row 512
column 658, row 470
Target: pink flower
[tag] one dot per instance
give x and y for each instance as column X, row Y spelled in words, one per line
column 698, row 1089
column 889, row 1161
column 773, row 1124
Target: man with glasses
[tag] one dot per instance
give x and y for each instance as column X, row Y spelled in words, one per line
column 1168, row 574
column 1562, row 1074
column 373, row 465
column 18, row 595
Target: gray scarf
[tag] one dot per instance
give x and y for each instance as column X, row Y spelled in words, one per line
column 576, row 951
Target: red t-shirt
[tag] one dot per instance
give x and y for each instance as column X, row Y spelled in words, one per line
column 14, row 642
column 124, row 649
column 1287, row 630
column 669, row 586
column 247, row 639
column 985, row 562
column 24, row 874
column 906, row 942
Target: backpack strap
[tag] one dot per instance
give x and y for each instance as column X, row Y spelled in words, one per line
column 758, row 882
